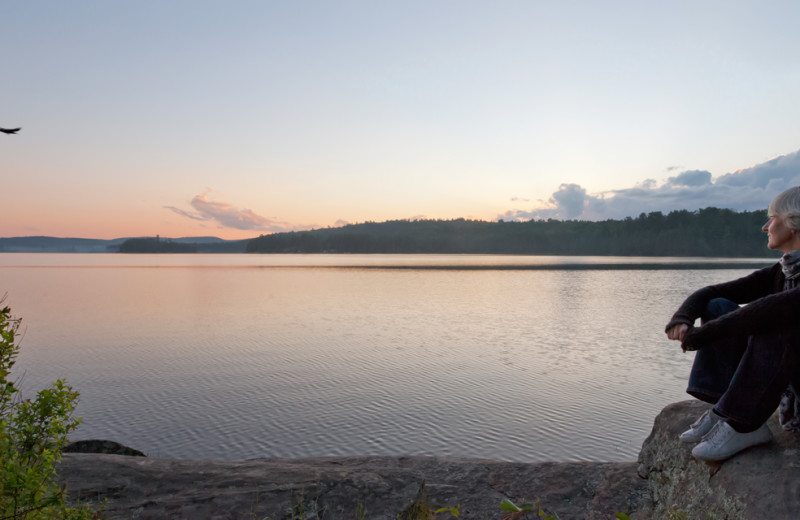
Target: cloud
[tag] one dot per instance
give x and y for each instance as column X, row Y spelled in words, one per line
column 748, row 189
column 568, row 202
column 570, row 199
column 690, row 178
column 187, row 214
column 228, row 215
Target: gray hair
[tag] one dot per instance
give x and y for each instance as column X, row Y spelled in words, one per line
column 787, row 205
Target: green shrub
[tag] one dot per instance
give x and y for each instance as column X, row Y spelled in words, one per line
column 32, row 435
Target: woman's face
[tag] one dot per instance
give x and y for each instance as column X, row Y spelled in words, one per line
column 780, row 236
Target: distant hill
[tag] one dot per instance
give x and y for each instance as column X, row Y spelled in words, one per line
column 43, row 244
column 709, row 232
column 706, row 232
column 58, row 245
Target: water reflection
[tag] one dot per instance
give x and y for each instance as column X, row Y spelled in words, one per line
column 214, row 360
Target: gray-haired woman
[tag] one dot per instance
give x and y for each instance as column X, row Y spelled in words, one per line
column 746, row 356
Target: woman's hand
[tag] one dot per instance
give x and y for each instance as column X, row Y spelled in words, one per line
column 677, row 332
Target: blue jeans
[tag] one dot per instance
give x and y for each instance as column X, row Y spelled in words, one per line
column 744, row 377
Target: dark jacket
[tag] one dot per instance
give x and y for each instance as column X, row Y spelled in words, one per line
column 768, row 308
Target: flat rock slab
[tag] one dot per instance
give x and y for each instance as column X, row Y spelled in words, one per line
column 372, row 488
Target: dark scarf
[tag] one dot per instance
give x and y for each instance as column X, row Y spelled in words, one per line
column 789, row 408
column 790, row 265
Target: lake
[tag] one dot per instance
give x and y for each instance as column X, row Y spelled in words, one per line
column 242, row 356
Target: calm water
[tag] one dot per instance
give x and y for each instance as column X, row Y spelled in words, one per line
column 243, row 356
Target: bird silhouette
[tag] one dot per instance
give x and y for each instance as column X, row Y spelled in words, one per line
column 10, row 130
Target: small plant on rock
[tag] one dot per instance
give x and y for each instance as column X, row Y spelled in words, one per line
column 32, row 435
column 516, row 512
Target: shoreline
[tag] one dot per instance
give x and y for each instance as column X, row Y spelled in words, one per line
column 665, row 481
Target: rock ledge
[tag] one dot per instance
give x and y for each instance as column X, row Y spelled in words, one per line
column 340, row 487
column 763, row 482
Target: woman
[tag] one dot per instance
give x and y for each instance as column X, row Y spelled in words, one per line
column 746, row 356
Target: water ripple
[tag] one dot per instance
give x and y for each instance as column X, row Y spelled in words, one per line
column 526, row 365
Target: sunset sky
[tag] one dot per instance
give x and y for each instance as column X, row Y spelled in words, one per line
column 240, row 118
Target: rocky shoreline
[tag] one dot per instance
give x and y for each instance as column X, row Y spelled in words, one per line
column 763, row 482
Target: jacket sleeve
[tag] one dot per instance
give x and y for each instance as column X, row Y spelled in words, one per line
column 742, row 290
column 768, row 313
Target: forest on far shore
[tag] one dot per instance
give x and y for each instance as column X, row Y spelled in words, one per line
column 705, row 232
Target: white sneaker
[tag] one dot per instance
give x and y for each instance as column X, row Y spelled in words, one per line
column 700, row 427
column 723, row 441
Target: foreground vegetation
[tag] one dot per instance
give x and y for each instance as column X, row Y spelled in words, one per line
column 32, row 435
column 705, row 232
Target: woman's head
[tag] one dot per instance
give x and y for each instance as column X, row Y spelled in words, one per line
column 783, row 226
column 787, row 206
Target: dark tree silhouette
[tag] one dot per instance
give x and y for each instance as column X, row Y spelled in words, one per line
column 705, row 232
column 155, row 245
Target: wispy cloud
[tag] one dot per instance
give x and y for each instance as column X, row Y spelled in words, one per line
column 229, row 216
column 188, row 214
column 747, row 189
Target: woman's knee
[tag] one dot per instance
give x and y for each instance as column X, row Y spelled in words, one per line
column 716, row 308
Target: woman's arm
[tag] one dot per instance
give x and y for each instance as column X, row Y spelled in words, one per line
column 742, row 290
column 765, row 314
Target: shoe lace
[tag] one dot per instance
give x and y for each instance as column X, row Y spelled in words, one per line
column 717, row 435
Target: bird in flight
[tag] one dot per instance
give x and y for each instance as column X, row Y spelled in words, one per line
column 10, row 130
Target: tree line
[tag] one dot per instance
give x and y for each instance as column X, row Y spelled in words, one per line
column 705, row 232
column 155, row 245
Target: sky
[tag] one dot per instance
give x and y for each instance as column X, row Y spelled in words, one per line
column 240, row 118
